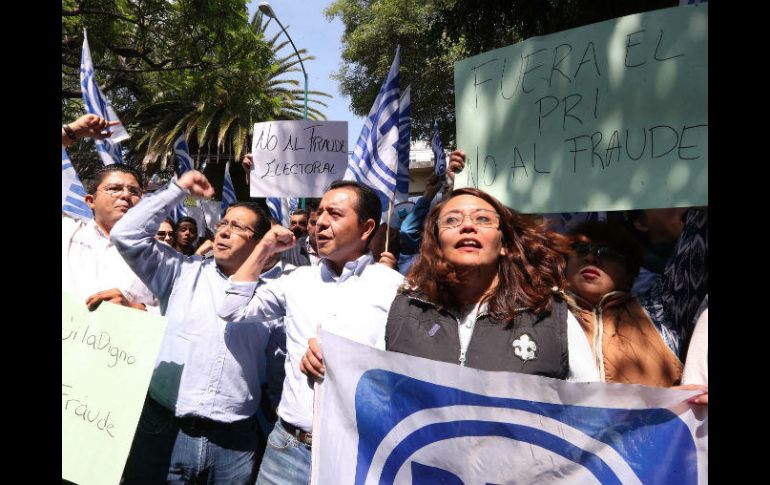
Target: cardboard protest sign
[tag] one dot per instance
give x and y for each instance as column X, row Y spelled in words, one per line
column 297, row 158
column 608, row 116
column 108, row 357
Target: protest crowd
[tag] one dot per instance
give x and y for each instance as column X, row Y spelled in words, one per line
column 459, row 278
column 482, row 273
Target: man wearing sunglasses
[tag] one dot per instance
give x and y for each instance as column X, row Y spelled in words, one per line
column 91, row 266
column 198, row 419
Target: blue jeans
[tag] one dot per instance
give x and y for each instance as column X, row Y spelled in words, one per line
column 286, row 460
column 181, row 450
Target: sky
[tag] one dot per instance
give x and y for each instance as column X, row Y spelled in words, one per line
column 309, row 29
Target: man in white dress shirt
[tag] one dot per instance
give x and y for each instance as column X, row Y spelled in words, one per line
column 347, row 294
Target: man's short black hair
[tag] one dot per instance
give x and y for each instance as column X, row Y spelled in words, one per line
column 187, row 219
column 93, row 182
column 263, row 219
column 300, row 212
column 368, row 206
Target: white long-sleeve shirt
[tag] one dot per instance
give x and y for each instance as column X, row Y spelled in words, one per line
column 354, row 305
column 90, row 263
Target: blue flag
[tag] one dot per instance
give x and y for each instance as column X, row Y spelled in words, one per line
column 185, row 164
column 281, row 208
column 374, row 160
column 96, row 103
column 228, row 191
column 438, row 151
column 72, row 191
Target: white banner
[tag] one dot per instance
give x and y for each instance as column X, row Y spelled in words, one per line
column 297, row 158
column 385, row 418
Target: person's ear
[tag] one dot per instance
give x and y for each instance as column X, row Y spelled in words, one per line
column 369, row 227
column 503, row 251
column 89, row 198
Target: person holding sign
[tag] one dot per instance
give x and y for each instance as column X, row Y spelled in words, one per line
column 347, row 294
column 198, row 419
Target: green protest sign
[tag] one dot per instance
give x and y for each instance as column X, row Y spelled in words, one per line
column 608, row 116
column 107, row 360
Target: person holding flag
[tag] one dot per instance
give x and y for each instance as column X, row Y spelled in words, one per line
column 374, row 161
column 96, row 104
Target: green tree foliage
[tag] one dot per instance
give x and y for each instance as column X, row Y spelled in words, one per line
column 434, row 34
column 169, row 67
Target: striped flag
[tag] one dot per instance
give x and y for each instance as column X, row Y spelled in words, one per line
column 72, row 191
column 438, row 151
column 281, row 208
column 96, row 103
column 404, row 137
column 374, row 159
column 185, row 164
column 228, row 191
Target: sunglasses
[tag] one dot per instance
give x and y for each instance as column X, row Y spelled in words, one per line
column 602, row 252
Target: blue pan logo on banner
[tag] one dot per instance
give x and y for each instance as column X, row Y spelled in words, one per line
column 401, row 430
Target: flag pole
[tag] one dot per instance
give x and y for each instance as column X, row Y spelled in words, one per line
column 387, row 228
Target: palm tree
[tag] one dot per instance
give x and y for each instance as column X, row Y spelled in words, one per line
column 217, row 110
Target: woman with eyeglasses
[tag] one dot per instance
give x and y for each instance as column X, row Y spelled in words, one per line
column 636, row 340
column 481, row 294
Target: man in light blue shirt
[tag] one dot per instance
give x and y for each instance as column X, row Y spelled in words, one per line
column 198, row 421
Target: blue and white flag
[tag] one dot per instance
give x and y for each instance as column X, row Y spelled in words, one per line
column 404, row 138
column 96, row 103
column 281, row 208
column 72, row 191
column 438, row 152
column 185, row 163
column 183, row 155
column 374, row 160
column 389, row 418
column 228, row 191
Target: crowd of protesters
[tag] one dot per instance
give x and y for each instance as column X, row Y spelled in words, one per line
column 463, row 279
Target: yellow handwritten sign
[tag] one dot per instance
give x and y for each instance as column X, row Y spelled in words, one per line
column 107, row 360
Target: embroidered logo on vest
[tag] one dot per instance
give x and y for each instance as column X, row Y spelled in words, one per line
column 525, row 348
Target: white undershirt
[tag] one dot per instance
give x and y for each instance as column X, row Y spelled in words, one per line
column 466, row 321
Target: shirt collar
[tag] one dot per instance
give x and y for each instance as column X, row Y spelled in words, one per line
column 351, row 268
column 95, row 229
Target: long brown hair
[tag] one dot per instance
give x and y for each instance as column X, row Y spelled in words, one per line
column 534, row 263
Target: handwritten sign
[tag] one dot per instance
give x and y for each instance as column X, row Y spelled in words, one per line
column 107, row 360
column 608, row 116
column 297, row 158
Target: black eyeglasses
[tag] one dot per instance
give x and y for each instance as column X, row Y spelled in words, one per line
column 234, row 226
column 603, row 251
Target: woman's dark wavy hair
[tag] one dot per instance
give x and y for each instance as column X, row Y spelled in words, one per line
column 534, row 263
